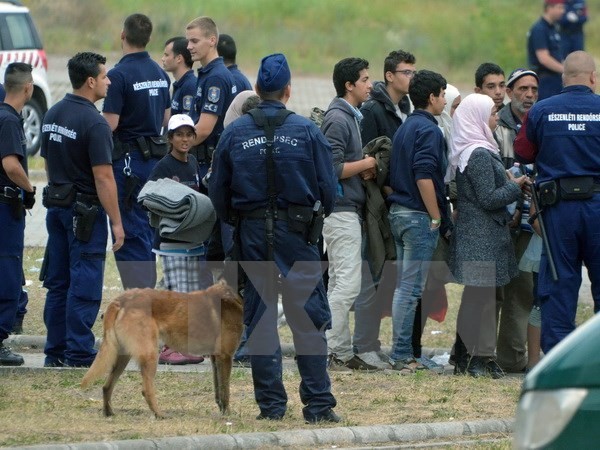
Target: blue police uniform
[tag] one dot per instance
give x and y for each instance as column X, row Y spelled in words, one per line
column 241, row 80
column 303, row 174
column 571, row 26
column 562, row 136
column 75, row 138
column 184, row 91
column 544, row 35
column 2, row 93
column 139, row 94
column 215, row 90
column 12, row 228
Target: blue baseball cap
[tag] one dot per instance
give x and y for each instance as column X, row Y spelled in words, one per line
column 273, row 73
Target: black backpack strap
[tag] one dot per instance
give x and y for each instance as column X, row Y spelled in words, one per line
column 268, row 124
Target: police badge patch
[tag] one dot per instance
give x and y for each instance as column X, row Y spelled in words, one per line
column 187, row 102
column 214, row 93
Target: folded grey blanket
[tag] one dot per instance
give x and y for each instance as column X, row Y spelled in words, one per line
column 177, row 211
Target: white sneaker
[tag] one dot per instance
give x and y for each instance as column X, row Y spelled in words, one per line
column 373, row 359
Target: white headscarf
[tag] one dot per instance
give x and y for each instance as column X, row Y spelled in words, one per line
column 471, row 130
column 451, row 94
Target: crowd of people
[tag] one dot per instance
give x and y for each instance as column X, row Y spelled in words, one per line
column 404, row 187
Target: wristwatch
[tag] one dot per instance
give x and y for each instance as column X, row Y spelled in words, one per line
column 436, row 221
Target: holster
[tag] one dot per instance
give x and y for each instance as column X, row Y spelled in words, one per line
column 153, row 147
column 83, row 221
column 299, row 219
column 548, row 192
column 203, row 153
column 316, row 224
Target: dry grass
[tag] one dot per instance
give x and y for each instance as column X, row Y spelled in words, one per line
column 51, row 408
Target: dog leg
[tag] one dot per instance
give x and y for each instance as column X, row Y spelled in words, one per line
column 221, row 376
column 148, row 364
column 113, row 377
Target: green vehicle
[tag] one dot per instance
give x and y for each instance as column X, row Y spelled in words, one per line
column 560, row 401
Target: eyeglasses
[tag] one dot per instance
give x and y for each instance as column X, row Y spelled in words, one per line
column 406, row 72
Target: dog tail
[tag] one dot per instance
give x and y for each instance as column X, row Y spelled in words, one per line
column 109, row 349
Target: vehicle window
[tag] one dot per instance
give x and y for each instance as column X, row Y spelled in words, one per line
column 20, row 31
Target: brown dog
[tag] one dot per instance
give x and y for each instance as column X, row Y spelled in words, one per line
column 205, row 322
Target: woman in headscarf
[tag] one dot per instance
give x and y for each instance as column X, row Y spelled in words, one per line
column 481, row 255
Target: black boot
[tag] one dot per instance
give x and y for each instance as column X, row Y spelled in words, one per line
column 18, row 326
column 8, row 358
column 494, row 369
column 476, row 366
column 461, row 357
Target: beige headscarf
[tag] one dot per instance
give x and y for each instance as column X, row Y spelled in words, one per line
column 235, row 109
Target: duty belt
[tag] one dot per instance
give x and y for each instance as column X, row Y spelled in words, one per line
column 88, row 199
column 260, row 213
column 8, row 194
column 202, row 152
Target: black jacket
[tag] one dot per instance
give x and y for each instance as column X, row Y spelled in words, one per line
column 379, row 114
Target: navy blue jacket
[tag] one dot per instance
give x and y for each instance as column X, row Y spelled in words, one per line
column 417, row 154
column 75, row 137
column 184, row 91
column 561, row 134
column 303, row 166
column 139, row 94
column 241, row 80
column 214, row 92
column 12, row 138
column 543, row 35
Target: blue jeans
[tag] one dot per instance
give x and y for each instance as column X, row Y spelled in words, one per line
column 415, row 244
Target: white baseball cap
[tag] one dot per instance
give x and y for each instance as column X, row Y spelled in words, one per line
column 180, row 120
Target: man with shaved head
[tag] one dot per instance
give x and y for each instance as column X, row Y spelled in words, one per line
column 561, row 135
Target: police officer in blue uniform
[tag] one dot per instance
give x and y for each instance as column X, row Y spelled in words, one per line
column 228, row 50
column 544, row 49
column 178, row 61
column 562, row 136
column 277, row 209
column 214, row 92
column 81, row 192
column 137, row 107
column 16, row 193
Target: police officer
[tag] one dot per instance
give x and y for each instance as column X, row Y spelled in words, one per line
column 275, row 209
column 544, row 51
column 214, row 92
column 137, row 107
column 81, row 192
column 16, row 192
column 228, row 50
column 178, row 61
column 562, row 136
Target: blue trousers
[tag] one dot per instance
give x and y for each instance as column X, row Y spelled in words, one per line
column 306, row 310
column 74, row 277
column 135, row 261
column 572, row 228
column 12, row 233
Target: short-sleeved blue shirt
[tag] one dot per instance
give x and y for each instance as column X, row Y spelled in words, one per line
column 12, row 139
column 184, row 91
column 139, row 94
column 75, row 138
column 543, row 35
column 214, row 92
column 241, row 80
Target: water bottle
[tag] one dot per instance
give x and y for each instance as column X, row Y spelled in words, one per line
column 516, row 172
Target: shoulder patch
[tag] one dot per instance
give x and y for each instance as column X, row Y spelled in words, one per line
column 214, row 93
column 187, row 102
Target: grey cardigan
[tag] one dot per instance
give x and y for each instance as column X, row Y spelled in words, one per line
column 481, row 252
